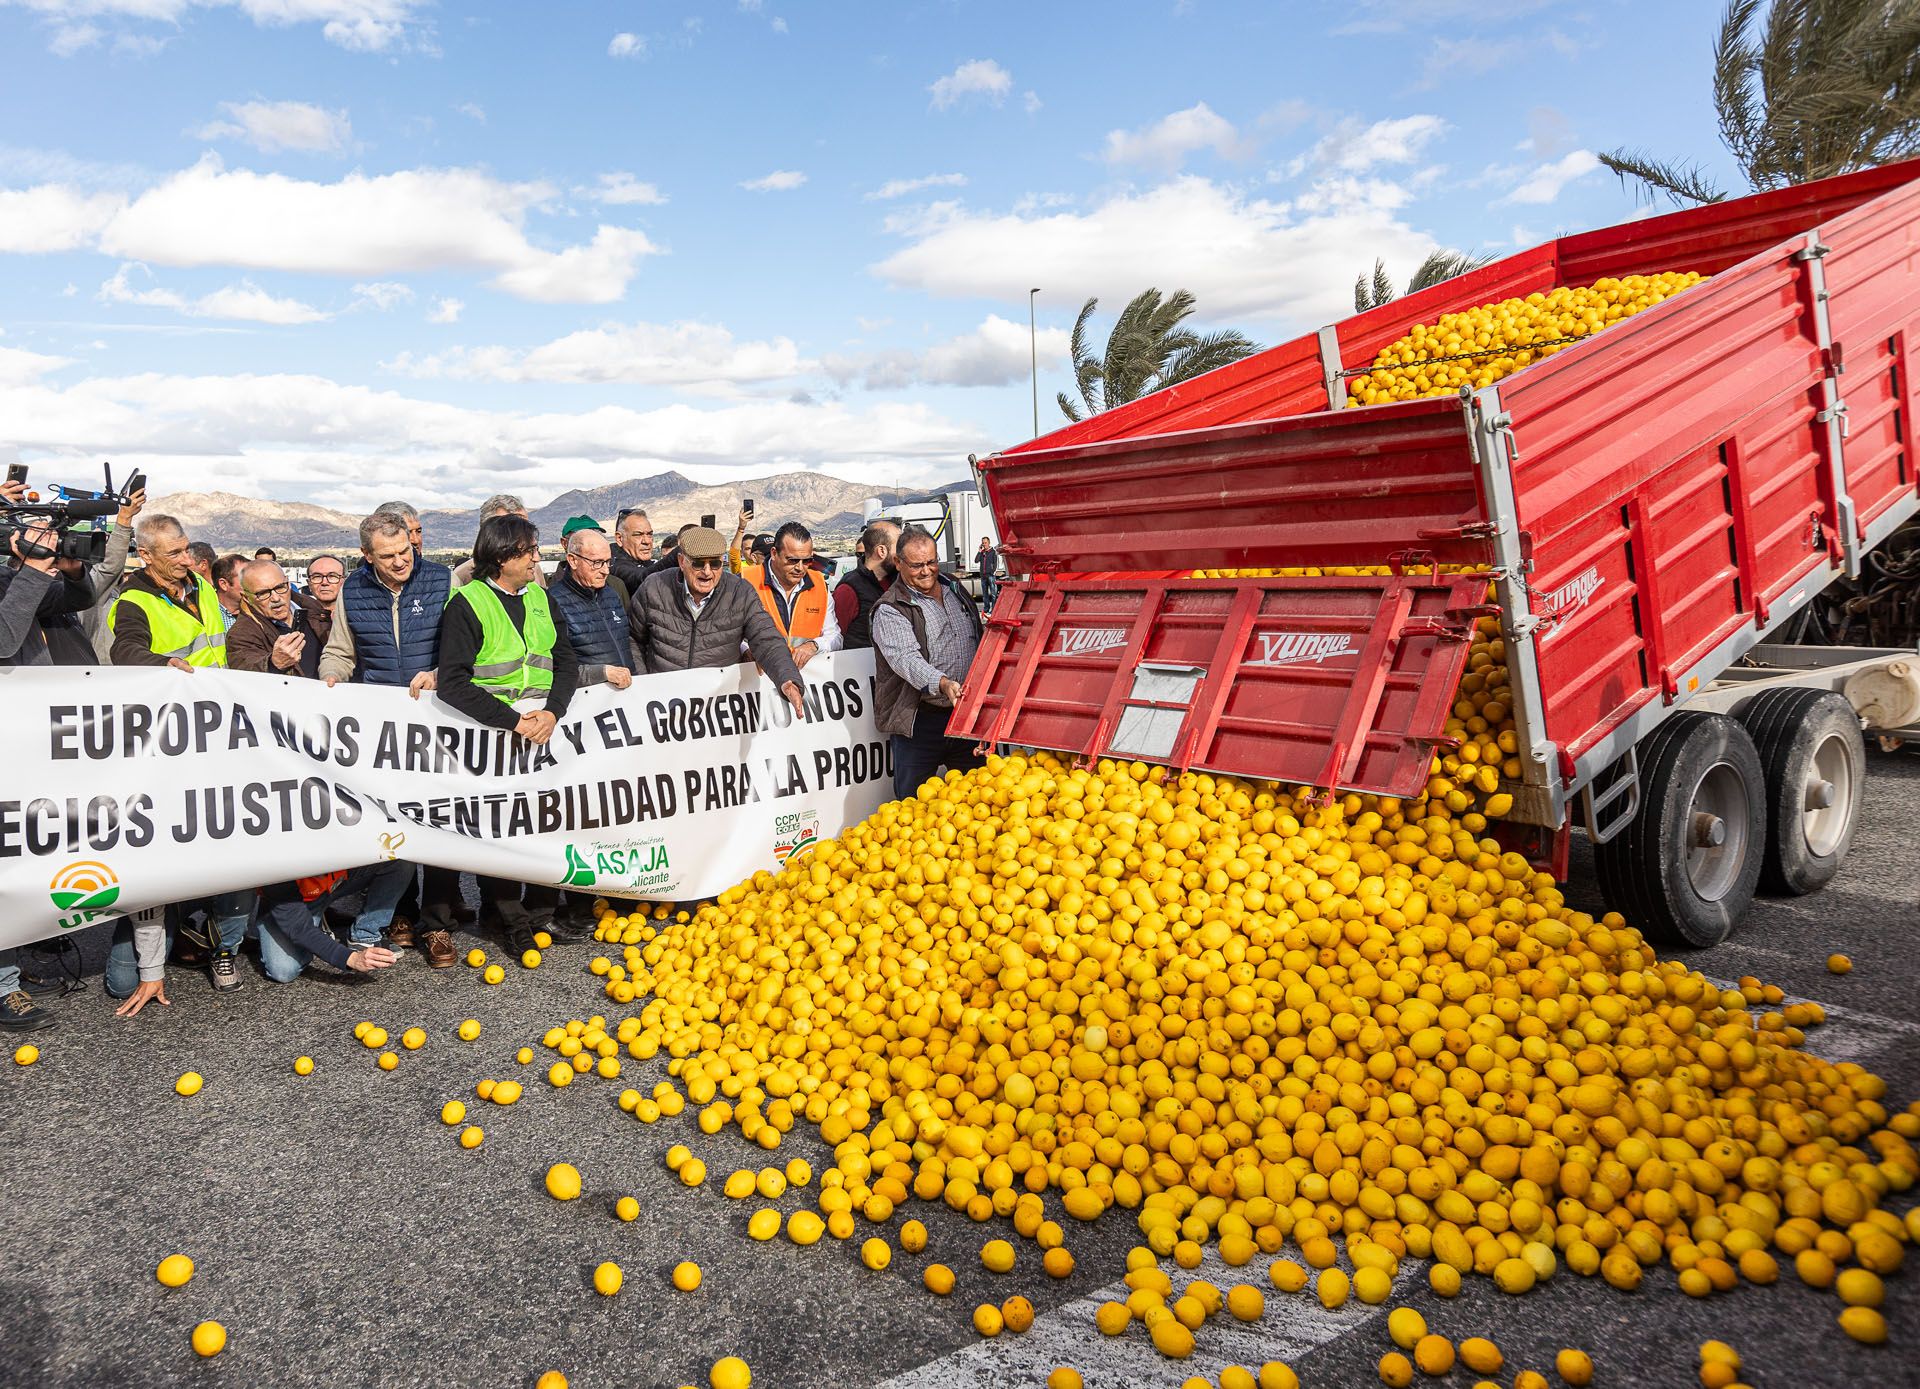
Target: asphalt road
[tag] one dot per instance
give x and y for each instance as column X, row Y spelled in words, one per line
column 344, row 1238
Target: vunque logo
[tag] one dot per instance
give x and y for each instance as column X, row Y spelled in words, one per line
column 1088, row 641
column 1292, row 648
column 84, row 892
column 1574, row 593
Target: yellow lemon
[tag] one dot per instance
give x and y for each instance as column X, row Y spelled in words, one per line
column 686, row 1275
column 413, row 1038
column 987, row 1319
column 1839, row 964
column 552, row 1379
column 876, row 1254
column 1575, row 1367
column 627, row 1209
column 1065, row 1377
column 913, row 1237
column 693, row 1172
column 997, row 1256
column 209, row 1338
column 530, row 959
column 563, row 1181
column 542, row 939
column 1016, row 1314
column 188, row 1084
column 388, row 1060
column 939, row 1280
column 174, row 1270
column 452, row 1112
column 476, row 957
column 730, row 1373
column 470, row 1136
column 303, row 1065
column 469, row 1030
column 374, row 1038
column 494, row 975
column 1244, row 1302
column 764, row 1223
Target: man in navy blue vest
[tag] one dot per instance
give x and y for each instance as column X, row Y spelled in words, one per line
column 386, row 631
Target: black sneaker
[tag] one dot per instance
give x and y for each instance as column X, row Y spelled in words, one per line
column 520, row 939
column 19, row 1013
column 226, row 972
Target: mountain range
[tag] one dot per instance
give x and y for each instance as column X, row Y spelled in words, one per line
column 831, row 506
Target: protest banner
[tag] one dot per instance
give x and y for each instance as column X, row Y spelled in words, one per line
column 129, row 788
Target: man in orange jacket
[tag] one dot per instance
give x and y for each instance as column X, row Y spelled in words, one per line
column 796, row 597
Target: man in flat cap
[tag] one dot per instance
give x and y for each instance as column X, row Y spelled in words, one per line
column 696, row 615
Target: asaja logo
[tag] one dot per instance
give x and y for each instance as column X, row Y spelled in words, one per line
column 795, row 833
column 579, row 871
column 83, row 892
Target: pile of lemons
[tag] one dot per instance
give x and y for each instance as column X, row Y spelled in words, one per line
column 1476, row 347
column 1249, row 1018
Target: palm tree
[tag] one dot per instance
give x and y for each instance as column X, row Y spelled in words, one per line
column 1372, row 292
column 1815, row 88
column 1147, row 351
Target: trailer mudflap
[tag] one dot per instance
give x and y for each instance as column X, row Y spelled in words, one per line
column 1331, row 682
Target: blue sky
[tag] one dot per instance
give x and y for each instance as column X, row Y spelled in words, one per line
column 315, row 249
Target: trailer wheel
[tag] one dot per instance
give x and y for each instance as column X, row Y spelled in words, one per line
column 1686, row 868
column 1815, row 762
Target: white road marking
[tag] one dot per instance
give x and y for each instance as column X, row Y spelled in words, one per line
column 1294, row 1324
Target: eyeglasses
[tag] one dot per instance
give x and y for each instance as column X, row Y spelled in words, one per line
column 273, row 592
column 594, row 563
column 919, row 564
column 703, row 563
column 325, row 578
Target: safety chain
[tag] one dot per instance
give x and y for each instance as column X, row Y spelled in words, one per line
column 1468, row 356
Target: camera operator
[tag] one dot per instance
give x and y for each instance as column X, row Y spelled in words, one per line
column 23, row 642
column 105, row 576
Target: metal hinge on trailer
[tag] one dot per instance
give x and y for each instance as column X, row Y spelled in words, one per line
column 1836, row 411
column 1594, row 808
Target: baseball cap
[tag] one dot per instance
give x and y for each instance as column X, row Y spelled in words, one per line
column 578, row 523
column 703, row 542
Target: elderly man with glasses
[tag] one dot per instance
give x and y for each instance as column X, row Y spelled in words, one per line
column 696, row 616
column 324, row 577
column 271, row 633
column 592, row 605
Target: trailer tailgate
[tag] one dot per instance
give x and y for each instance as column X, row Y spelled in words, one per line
column 1340, row 682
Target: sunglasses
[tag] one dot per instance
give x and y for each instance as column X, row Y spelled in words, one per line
column 702, row 563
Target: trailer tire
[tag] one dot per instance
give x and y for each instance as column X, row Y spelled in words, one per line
column 1686, row 868
column 1810, row 749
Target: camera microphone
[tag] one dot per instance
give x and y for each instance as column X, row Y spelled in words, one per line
column 88, row 508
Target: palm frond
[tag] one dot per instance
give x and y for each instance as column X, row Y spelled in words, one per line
column 1682, row 185
column 1086, row 370
column 1066, row 407
column 1444, row 265
column 1372, row 295
column 1206, row 353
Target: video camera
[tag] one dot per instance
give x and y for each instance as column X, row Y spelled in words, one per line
column 69, row 512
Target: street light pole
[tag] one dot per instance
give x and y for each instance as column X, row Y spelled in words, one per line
column 1033, row 353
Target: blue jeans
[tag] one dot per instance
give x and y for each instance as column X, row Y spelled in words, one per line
column 919, row 755
column 289, row 921
column 9, row 972
column 229, row 913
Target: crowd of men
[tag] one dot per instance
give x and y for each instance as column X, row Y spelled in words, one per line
column 500, row 642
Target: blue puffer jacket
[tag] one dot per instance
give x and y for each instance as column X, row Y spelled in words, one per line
column 596, row 621
column 395, row 635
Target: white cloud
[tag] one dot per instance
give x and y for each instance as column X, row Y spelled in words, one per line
column 894, row 188
column 473, row 111
column 446, row 311
column 622, row 190
column 778, row 25
column 381, row 294
column 1543, row 185
column 52, row 217
column 19, row 366
column 1243, row 257
column 282, row 125
column 977, row 77
column 779, row 181
column 657, row 354
column 627, row 46
column 1354, row 148
column 1168, row 141
column 69, row 39
column 310, row 437
column 997, row 353
column 244, row 301
column 1031, row 102
column 413, row 220
column 364, row 26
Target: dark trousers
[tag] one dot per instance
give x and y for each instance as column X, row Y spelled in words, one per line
column 502, row 903
column 431, row 901
column 927, row 749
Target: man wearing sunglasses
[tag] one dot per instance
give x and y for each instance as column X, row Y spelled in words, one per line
column 271, row 633
column 696, row 615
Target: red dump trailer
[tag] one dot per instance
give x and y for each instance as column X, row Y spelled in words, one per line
column 1651, row 503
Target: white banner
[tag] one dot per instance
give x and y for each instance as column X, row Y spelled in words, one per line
column 129, row 788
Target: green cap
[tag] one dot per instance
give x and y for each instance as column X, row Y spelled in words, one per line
column 579, row 523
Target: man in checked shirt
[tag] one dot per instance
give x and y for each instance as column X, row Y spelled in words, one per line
column 925, row 631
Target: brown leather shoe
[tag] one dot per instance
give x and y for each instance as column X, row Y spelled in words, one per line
column 439, row 948
column 400, row 933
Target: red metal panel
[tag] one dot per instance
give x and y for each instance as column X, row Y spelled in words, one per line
column 1332, row 488
column 1341, row 682
column 1688, row 534
column 1594, row 669
column 1879, row 471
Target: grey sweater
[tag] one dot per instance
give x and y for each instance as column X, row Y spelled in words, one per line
column 22, row 642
